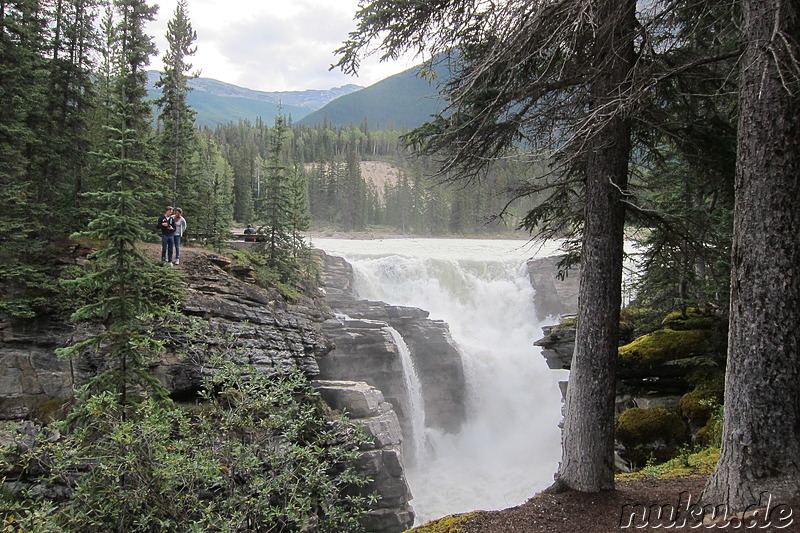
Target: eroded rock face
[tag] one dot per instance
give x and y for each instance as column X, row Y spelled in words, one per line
column 254, row 324
column 365, row 349
column 30, row 372
column 382, row 461
column 246, row 322
column 554, row 295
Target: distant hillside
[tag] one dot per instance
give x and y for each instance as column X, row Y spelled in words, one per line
column 400, row 101
column 217, row 102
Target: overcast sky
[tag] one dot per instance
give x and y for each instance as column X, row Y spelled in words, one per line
column 271, row 45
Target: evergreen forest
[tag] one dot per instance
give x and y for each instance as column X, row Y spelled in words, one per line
column 85, row 163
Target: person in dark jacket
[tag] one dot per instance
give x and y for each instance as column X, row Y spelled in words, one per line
column 167, row 231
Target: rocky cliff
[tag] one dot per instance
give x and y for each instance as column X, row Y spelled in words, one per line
column 669, row 382
column 365, row 349
column 254, row 325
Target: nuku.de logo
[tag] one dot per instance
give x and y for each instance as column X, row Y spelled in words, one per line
column 694, row 515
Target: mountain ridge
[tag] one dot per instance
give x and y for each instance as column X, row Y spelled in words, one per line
column 216, row 102
column 402, row 101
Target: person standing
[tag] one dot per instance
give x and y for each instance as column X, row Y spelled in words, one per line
column 179, row 223
column 167, row 231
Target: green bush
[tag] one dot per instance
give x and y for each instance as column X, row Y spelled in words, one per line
column 259, row 453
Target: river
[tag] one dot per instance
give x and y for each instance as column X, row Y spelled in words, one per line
column 509, row 448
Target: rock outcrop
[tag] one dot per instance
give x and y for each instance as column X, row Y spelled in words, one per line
column 555, row 294
column 256, row 325
column 366, row 351
column 669, row 383
column 248, row 323
column 382, row 461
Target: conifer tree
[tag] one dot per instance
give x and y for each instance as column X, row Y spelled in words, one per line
column 123, row 282
column 353, row 194
column 299, row 218
column 133, row 49
column 23, row 75
column 105, row 70
column 272, row 209
column 760, row 456
column 211, row 198
column 70, row 98
column 177, row 136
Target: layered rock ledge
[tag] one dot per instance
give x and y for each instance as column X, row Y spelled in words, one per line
column 366, row 351
column 255, row 326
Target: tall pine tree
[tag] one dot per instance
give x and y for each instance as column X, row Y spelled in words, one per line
column 177, row 140
column 23, row 89
column 272, row 208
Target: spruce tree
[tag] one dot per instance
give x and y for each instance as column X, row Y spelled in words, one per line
column 126, row 286
column 211, row 198
column 66, row 144
column 133, row 49
column 23, row 75
column 177, row 140
column 298, row 216
column 272, row 209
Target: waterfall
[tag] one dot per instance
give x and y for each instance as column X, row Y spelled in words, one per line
column 509, row 447
column 413, row 447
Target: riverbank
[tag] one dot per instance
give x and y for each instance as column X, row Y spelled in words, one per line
column 632, row 506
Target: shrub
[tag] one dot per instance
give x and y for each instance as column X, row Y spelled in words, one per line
column 260, row 453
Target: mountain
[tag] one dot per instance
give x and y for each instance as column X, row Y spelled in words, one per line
column 404, row 100
column 217, row 102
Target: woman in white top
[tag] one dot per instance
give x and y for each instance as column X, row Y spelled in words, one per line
column 180, row 226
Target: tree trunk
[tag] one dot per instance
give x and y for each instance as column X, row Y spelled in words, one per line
column 761, row 436
column 588, row 437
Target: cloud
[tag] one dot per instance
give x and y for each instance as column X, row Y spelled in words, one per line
column 272, row 45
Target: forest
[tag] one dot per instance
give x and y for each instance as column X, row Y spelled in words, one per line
column 645, row 129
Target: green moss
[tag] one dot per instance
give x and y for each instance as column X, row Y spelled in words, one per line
column 664, row 345
column 692, row 319
column 568, row 321
column 638, row 426
column 649, row 435
column 700, row 404
column 638, row 321
column 448, row 524
column 685, row 464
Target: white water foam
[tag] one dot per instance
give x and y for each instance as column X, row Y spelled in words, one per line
column 413, row 449
column 509, row 447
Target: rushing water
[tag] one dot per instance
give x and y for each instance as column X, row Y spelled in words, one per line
column 510, row 445
column 415, row 409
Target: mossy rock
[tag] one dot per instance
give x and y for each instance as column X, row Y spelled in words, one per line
column 655, row 434
column 656, row 425
column 664, row 345
column 701, row 403
column 693, row 319
column 448, row 524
